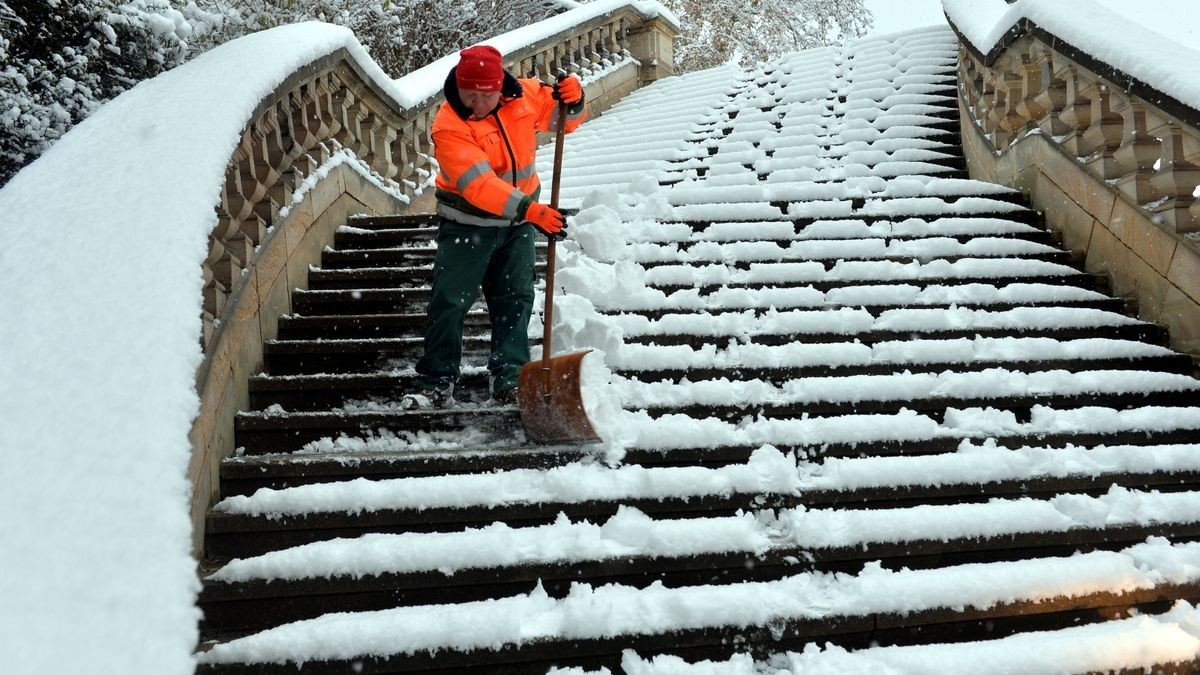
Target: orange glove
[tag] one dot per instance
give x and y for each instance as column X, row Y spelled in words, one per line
column 568, row 89
column 546, row 219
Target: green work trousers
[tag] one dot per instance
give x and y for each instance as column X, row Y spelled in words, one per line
column 500, row 261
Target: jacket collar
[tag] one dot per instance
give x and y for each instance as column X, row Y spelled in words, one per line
column 511, row 89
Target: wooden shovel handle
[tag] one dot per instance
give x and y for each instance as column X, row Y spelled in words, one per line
column 548, row 313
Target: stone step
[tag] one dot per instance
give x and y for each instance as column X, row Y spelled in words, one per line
column 230, row 535
column 1117, row 305
column 323, row 391
column 381, row 277
column 1151, row 333
column 244, row 474
column 298, row 357
column 392, row 222
column 231, row 607
column 934, row 408
column 935, row 623
column 370, row 326
column 1096, row 282
column 262, row 432
column 309, row 305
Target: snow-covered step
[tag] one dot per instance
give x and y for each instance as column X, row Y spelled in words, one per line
column 368, row 572
column 386, row 455
column 777, row 363
column 794, row 608
column 891, row 208
column 923, row 250
column 781, row 327
column 273, row 519
column 874, row 299
column 1142, row 642
column 684, row 438
column 734, row 397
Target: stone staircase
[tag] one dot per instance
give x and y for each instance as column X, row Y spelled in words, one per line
column 869, row 403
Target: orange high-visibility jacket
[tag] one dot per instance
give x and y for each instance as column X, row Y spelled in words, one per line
column 487, row 167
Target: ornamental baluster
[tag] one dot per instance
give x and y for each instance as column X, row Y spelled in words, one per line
column 347, row 112
column 235, row 204
column 325, row 111
column 1010, row 122
column 1176, row 181
column 1138, row 154
column 383, row 137
column 227, row 266
column 290, row 122
column 1077, row 115
column 1104, row 134
column 401, row 145
column 1054, row 99
column 987, row 103
column 1030, row 107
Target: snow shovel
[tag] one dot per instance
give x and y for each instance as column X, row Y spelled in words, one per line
column 548, row 389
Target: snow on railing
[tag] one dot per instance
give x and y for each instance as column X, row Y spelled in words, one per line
column 1122, row 116
column 333, row 104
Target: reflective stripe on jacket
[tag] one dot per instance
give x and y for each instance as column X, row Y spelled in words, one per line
column 488, row 166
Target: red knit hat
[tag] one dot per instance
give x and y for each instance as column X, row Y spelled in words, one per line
column 480, row 68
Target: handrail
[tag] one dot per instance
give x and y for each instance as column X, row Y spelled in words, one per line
column 1124, row 132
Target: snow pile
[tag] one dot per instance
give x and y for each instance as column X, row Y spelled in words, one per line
column 98, row 375
column 1158, row 41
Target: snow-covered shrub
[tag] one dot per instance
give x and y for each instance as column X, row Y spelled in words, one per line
column 59, row 60
column 712, row 33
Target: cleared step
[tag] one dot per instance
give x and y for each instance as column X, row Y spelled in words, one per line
column 295, row 357
column 395, row 221
column 379, row 277
column 263, row 432
column 367, row 326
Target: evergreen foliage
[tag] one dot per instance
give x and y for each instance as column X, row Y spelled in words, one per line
column 60, row 60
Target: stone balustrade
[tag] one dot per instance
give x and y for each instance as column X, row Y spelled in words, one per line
column 329, row 142
column 1149, row 153
column 1113, row 164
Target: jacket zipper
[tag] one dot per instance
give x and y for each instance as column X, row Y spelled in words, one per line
column 512, row 159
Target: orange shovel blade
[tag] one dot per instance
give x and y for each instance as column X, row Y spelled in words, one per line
column 551, row 402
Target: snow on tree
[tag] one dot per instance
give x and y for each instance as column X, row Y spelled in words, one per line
column 59, row 60
column 757, row 30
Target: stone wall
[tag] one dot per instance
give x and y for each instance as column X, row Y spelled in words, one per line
column 1112, row 172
